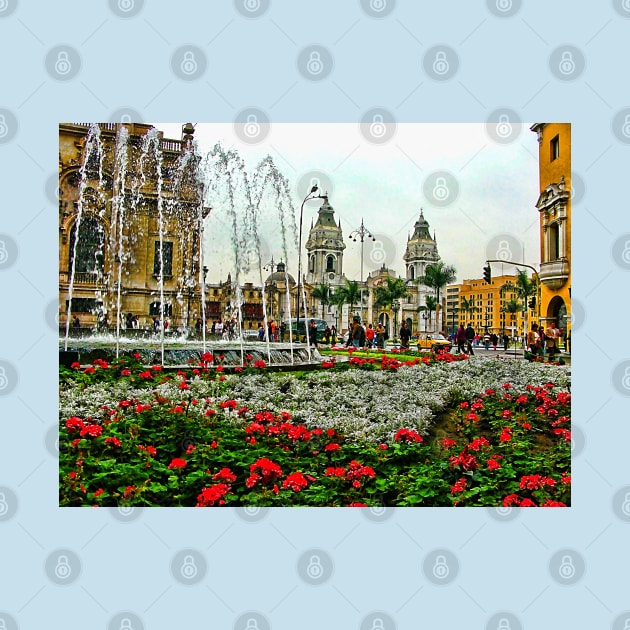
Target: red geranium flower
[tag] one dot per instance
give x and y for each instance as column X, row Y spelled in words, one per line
column 295, row 481
column 177, row 462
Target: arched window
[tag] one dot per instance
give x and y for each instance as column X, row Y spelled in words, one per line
column 412, row 272
column 311, row 264
column 89, row 247
column 330, row 263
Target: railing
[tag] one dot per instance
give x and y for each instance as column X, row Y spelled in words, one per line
column 107, row 126
column 81, row 277
column 171, row 145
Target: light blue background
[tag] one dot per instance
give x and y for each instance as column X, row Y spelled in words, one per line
column 503, row 566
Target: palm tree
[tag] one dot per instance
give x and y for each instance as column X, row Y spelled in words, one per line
column 430, row 304
column 436, row 276
column 385, row 296
column 468, row 306
column 323, row 294
column 524, row 288
column 348, row 294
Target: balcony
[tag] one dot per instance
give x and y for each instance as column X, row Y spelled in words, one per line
column 82, row 278
column 554, row 274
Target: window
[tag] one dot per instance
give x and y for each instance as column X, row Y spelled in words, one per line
column 412, row 272
column 311, row 264
column 554, row 146
column 89, row 247
column 83, row 305
column 154, row 309
column 554, row 242
column 167, row 257
column 330, row 263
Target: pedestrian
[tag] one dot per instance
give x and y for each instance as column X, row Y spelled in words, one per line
column 486, row 341
column 380, row 335
column 460, row 338
column 532, row 339
column 76, row 322
column 333, row 334
column 470, row 337
column 551, row 340
column 327, row 334
column 261, row 332
column 356, row 336
column 405, row 335
column 283, row 330
column 135, row 322
column 199, row 325
column 312, row 333
column 370, row 335
column 218, row 329
column 506, row 342
column 166, row 324
column 494, row 340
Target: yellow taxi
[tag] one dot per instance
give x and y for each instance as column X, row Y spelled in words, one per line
column 432, row 341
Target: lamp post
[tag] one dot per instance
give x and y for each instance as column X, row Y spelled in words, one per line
column 454, row 312
column 270, row 266
column 395, row 308
column 425, row 317
column 311, row 195
column 361, row 232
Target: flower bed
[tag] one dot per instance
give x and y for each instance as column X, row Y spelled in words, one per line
column 131, row 436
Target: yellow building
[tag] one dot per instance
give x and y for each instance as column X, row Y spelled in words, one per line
column 485, row 306
column 554, row 206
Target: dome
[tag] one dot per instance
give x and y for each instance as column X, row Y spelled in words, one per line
column 280, row 276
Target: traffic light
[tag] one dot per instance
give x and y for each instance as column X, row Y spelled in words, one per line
column 532, row 303
column 487, row 273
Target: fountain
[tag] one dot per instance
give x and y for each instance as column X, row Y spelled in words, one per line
column 167, row 191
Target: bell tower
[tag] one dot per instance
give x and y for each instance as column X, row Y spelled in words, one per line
column 324, row 248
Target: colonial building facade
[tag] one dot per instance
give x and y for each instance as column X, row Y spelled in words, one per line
column 554, row 207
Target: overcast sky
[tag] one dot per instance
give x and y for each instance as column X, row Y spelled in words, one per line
column 488, row 212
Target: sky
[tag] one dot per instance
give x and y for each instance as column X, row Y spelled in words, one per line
column 487, row 211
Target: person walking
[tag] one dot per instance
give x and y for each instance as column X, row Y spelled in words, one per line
column 405, row 335
column 370, row 335
column 532, row 339
column 470, row 337
column 283, row 329
column 380, row 336
column 312, row 333
column 333, row 334
column 460, row 338
column 506, row 342
column 494, row 340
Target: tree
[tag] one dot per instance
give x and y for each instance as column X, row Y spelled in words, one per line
column 436, row 276
column 430, row 304
column 385, row 296
column 323, row 294
column 524, row 288
column 468, row 306
column 348, row 294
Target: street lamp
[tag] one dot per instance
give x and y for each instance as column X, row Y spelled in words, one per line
column 361, row 233
column 312, row 192
column 395, row 308
column 425, row 317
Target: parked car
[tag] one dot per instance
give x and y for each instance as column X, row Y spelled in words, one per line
column 432, row 341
